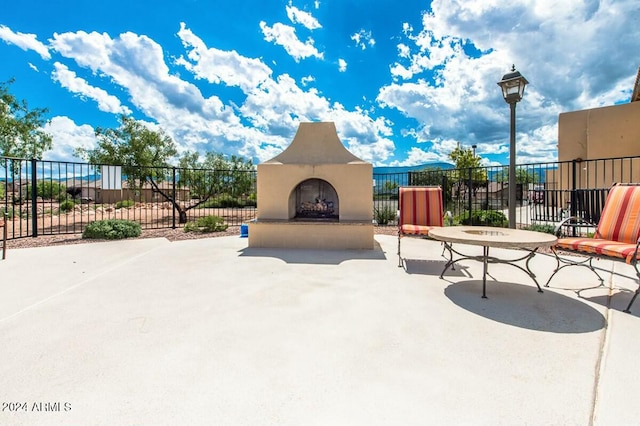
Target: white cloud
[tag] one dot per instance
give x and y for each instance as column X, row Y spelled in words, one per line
column 136, row 63
column 69, row 80
column 342, row 65
column 417, row 156
column 24, row 41
column 285, row 36
column 67, row 137
column 218, row 66
column 274, row 106
column 306, row 80
column 468, row 45
column 403, row 50
column 298, row 16
column 363, row 39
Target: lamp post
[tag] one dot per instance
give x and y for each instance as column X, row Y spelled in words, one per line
column 512, row 85
column 474, row 146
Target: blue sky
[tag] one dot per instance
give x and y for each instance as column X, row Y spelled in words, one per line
column 405, row 82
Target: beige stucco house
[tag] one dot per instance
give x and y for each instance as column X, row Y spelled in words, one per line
column 599, row 134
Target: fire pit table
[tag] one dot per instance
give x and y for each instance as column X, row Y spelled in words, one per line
column 487, row 237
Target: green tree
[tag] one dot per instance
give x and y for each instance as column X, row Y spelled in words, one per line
column 216, row 175
column 465, row 160
column 427, row 176
column 144, row 155
column 21, row 133
column 48, row 190
column 522, row 175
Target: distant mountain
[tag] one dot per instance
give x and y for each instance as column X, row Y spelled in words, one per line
column 405, row 169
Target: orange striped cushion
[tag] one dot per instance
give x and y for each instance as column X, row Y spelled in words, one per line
column 620, row 219
column 599, row 246
column 416, row 229
column 420, row 206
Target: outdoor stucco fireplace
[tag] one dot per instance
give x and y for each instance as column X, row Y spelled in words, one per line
column 315, row 194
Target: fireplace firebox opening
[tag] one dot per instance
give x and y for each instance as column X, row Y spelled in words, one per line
column 315, row 199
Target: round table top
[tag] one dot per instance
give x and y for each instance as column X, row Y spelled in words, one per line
column 493, row 237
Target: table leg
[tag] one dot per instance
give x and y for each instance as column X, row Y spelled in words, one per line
column 450, row 262
column 486, row 259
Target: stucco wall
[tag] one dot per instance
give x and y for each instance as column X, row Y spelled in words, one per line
column 606, row 132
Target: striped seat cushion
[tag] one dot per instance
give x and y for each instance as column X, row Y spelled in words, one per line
column 599, row 246
column 620, row 219
column 420, row 210
column 408, row 229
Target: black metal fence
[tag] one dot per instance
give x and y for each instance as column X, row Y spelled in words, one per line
column 545, row 192
column 54, row 197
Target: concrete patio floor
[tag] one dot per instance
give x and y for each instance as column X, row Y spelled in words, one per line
column 152, row 332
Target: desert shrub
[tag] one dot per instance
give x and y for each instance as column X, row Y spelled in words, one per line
column 9, row 212
column 384, row 215
column 222, row 201
column 482, row 217
column 66, row 206
column 206, row 224
column 62, row 197
column 252, row 200
column 124, row 204
column 2, row 191
column 229, row 201
column 541, row 227
column 112, row 229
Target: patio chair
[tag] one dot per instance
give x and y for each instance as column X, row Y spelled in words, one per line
column 421, row 210
column 3, row 225
column 617, row 234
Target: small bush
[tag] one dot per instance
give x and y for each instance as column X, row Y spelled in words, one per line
column 223, row 201
column 67, row 206
column 229, row 201
column 252, row 200
column 482, row 217
column 9, row 213
column 206, row 224
column 539, row 227
column 112, row 229
column 124, row 204
column 385, row 215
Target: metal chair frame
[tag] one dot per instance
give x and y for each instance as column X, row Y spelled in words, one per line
column 561, row 263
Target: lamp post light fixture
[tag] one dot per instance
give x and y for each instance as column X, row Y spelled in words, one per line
column 512, row 85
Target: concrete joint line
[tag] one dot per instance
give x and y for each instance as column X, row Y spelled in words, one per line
column 603, row 351
column 81, row 283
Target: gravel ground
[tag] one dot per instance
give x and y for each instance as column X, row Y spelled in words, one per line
column 168, row 233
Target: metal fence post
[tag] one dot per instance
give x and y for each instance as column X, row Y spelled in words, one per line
column 173, row 186
column 574, row 177
column 470, row 192
column 34, row 197
column 574, row 198
column 444, row 191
